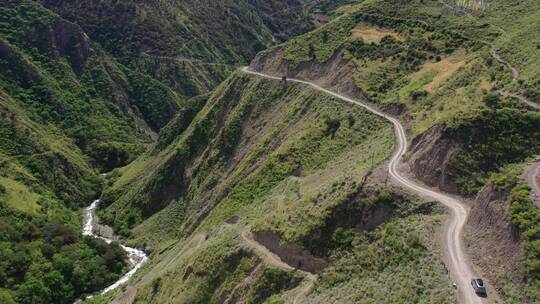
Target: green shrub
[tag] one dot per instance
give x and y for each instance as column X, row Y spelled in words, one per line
column 492, row 100
column 489, row 140
column 526, row 217
column 156, row 284
column 272, row 281
column 332, row 125
column 415, row 95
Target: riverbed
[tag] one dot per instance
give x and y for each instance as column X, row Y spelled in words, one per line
column 137, row 257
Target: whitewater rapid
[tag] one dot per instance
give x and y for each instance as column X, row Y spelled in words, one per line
column 137, row 257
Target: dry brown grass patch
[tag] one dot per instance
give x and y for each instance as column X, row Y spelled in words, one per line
column 372, row 34
column 486, row 85
column 445, row 68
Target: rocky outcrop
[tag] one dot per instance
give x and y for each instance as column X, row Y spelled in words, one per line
column 69, row 40
column 64, row 39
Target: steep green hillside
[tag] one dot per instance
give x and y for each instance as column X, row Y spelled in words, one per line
column 61, row 78
column 67, row 112
column 214, row 172
column 188, row 165
column 442, row 68
column 287, row 163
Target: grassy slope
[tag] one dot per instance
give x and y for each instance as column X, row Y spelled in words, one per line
column 526, row 57
column 50, row 157
column 395, row 252
column 267, row 155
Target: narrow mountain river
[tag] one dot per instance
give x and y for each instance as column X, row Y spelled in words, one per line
column 137, row 257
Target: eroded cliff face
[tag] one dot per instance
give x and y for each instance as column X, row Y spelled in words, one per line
column 66, row 39
column 495, row 244
column 429, row 156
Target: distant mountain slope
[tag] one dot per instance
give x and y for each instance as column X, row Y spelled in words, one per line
column 230, row 32
column 58, row 76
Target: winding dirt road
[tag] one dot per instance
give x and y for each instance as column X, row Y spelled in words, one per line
column 460, row 270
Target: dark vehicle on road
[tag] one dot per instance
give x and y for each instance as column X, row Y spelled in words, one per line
column 478, row 286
